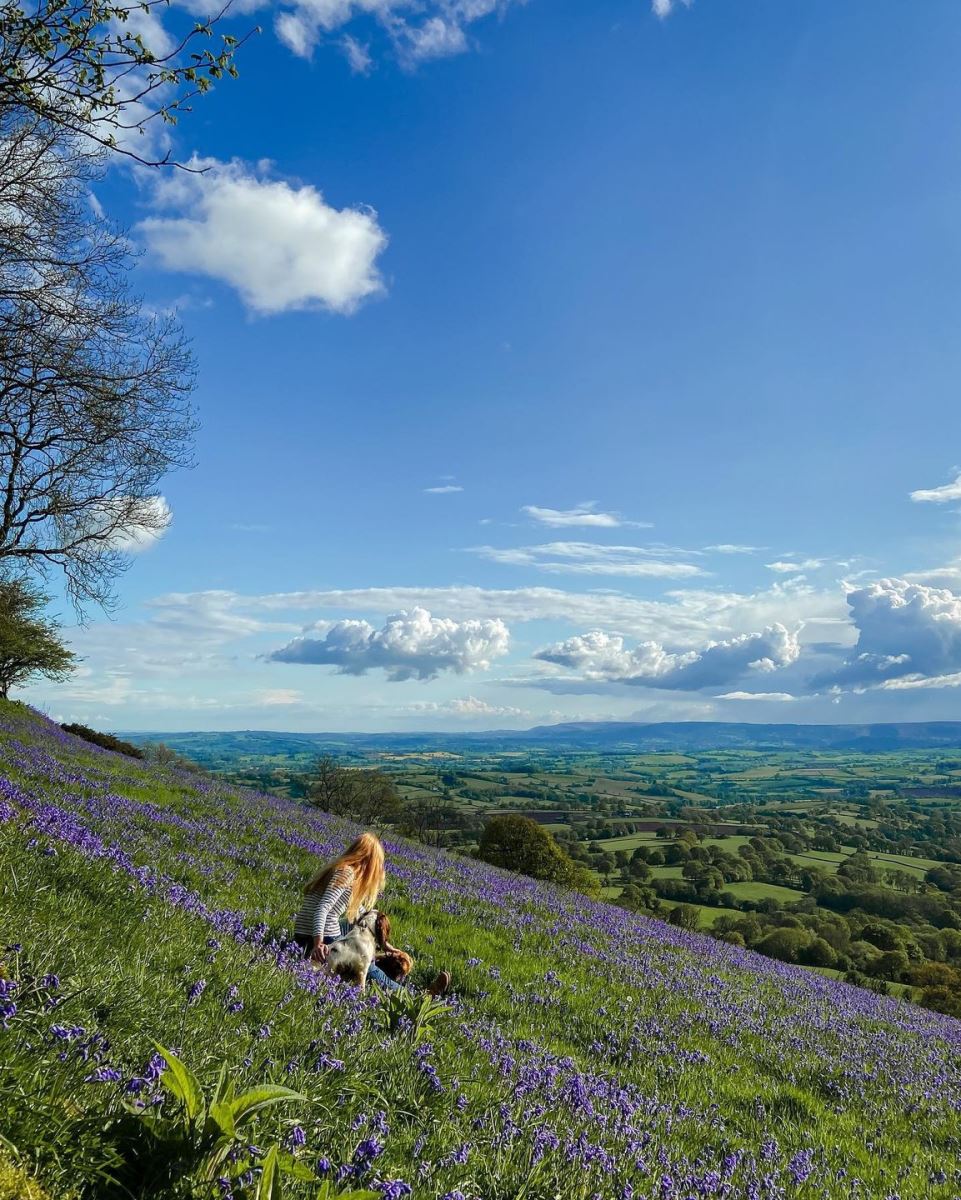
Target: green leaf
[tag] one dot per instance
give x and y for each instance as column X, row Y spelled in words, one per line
column 268, row 1188
column 223, row 1118
column 296, row 1170
column 182, row 1082
column 265, row 1096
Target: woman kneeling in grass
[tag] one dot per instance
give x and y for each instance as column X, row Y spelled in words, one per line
column 343, row 888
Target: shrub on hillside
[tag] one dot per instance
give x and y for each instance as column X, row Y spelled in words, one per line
column 105, row 740
column 685, row 916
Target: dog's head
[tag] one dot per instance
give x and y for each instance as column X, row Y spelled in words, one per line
column 396, row 964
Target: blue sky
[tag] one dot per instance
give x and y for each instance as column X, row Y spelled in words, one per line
column 557, row 361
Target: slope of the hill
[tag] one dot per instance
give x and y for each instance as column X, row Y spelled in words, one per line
column 586, row 1053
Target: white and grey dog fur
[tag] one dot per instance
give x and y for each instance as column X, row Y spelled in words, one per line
column 351, row 956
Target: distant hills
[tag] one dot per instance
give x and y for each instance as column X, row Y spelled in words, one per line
column 714, row 735
column 609, row 736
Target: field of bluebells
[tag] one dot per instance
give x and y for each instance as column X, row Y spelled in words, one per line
column 586, row 1053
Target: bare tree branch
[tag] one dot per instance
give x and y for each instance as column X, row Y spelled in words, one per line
column 94, row 393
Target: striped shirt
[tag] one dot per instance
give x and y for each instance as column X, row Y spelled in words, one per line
column 320, row 912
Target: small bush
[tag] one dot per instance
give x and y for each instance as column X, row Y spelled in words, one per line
column 105, row 740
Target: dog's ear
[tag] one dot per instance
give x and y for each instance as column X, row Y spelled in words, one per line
column 382, row 930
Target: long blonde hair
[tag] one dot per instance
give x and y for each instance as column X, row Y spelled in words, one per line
column 365, row 857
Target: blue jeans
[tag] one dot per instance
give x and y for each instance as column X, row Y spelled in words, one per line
column 376, row 975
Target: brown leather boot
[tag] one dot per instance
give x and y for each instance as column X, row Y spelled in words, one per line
column 441, row 984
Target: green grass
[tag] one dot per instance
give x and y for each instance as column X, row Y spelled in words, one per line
column 645, row 1052
column 763, row 891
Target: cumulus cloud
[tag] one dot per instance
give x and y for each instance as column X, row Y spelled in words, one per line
column 585, row 515
column 280, row 245
column 686, row 617
column 906, row 631
column 410, row 645
column 605, row 658
column 590, row 558
column 939, row 495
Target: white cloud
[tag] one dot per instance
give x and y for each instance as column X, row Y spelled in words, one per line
column 786, row 567
column 145, row 23
column 467, row 707
column 685, row 617
column 437, row 37
column 906, row 631
column 911, row 684
column 431, row 29
column 444, row 489
column 143, row 522
column 411, row 645
column 280, row 697
column 358, row 55
column 731, row 548
column 300, row 36
column 939, row 495
column 771, row 697
column 590, row 558
column 582, row 515
column 664, row 8
column 604, row 657
column 280, row 245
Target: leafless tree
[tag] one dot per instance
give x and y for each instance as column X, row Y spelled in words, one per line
column 94, row 392
column 366, row 796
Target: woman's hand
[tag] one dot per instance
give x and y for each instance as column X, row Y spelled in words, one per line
column 319, row 953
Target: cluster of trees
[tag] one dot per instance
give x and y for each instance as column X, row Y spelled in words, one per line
column 869, row 952
column 94, row 391
column 875, row 924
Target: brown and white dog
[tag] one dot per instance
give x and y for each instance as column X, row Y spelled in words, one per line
column 353, row 954
column 396, row 964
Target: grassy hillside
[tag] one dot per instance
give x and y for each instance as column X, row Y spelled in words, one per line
column 586, row 1053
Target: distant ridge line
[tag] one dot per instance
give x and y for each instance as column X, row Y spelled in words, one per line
column 622, row 735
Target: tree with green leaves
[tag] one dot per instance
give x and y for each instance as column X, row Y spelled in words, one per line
column 519, row 844
column 30, row 644
column 105, row 71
